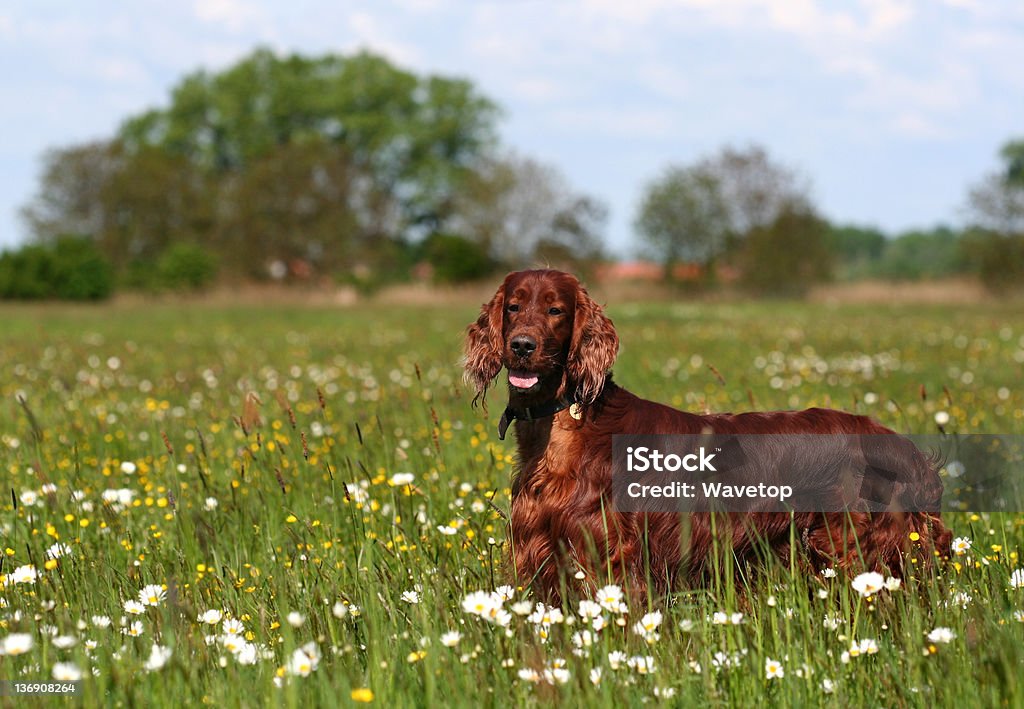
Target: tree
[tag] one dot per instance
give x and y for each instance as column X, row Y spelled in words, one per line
column 333, row 160
column 994, row 244
column 418, row 137
column 787, row 256
column 756, row 189
column 684, row 217
column 70, row 198
column 705, row 211
column 523, row 211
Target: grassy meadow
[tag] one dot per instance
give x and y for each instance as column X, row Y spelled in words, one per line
column 297, row 506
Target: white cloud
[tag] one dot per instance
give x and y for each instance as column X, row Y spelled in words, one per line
column 369, row 33
column 917, row 127
column 233, row 15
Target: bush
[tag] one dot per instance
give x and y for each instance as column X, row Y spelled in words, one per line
column 186, row 267
column 80, row 271
column 456, row 259
column 997, row 259
column 72, row 268
column 788, row 256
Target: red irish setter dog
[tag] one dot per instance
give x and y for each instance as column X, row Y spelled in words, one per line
column 558, row 347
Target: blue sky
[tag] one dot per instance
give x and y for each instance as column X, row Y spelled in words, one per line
column 891, row 108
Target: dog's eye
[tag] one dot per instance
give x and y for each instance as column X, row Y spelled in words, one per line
column 513, row 308
column 555, row 311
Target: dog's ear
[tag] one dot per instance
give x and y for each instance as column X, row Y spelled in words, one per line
column 593, row 349
column 484, row 345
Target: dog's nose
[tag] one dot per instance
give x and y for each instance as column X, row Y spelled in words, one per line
column 523, row 346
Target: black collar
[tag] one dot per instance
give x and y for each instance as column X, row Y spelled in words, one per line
column 532, row 413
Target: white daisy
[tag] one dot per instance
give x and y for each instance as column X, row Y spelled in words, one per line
column 941, row 635
column 868, row 584
column 66, row 672
column 158, row 657
column 152, row 595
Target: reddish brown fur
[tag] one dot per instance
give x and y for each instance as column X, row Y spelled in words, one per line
column 562, row 517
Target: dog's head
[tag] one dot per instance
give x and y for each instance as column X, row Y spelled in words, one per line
column 546, row 331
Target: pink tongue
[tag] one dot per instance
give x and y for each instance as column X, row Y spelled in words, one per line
column 522, row 382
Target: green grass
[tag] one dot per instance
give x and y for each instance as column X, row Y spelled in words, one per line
column 343, row 398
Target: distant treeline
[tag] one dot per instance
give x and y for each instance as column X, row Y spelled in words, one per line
column 348, row 169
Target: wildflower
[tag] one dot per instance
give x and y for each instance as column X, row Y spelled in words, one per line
column 664, row 692
column 643, row 665
column 134, row 629
column 522, row 608
column 296, row 619
column 478, row 603
column 828, row 686
column 868, row 584
column 649, row 622
column 16, row 644
column 528, row 674
column 1018, row 616
column 101, row 621
column 941, row 418
column 557, row 675
column 722, row 661
column 152, row 595
column 773, row 669
column 246, row 654
column 961, row 545
column 941, row 635
column 399, row 479
column 411, row 597
column 1016, row 579
column 128, row 467
column 29, row 498
column 58, row 550
column 686, row 625
column 63, row 642
column 24, row 574
column 595, row 676
column 66, row 672
column 505, row 593
column 451, row 638
column 647, row 627
column 828, row 573
column 362, row 695
column 304, row 660
column 134, row 607
column 158, row 657
column 588, row 610
column 233, row 626
column 864, row 647
column 210, row 504
column 616, row 659
column 232, row 643
column 610, row 598
column 582, row 639
column 210, row 617
column 892, row 584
